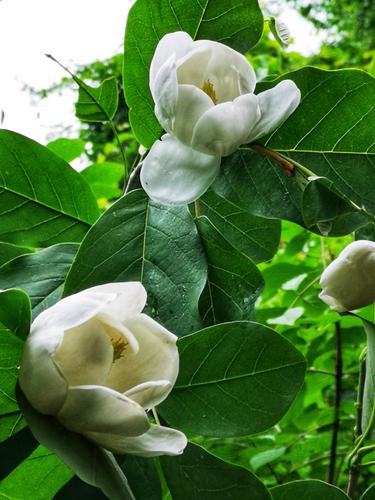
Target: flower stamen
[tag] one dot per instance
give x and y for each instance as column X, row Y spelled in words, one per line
column 119, row 346
column 209, row 89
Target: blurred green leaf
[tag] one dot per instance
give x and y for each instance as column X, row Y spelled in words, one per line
column 265, row 457
column 104, row 179
column 308, row 490
column 67, row 149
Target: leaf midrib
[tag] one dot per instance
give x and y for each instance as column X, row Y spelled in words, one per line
column 238, row 377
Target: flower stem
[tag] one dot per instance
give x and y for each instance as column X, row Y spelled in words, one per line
column 122, row 150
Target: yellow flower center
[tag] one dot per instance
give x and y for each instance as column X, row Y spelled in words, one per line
column 209, row 89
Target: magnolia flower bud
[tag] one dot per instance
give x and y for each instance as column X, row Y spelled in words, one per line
column 349, row 281
column 96, row 363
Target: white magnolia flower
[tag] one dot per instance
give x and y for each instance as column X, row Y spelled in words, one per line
column 96, row 363
column 349, row 281
column 204, row 99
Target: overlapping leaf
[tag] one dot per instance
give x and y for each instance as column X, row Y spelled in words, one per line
column 329, row 133
column 139, row 240
column 41, row 275
column 310, row 489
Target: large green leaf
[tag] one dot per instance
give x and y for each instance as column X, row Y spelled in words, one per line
column 234, row 22
column 41, row 274
column 330, row 134
column 15, row 317
column 198, row 475
column 43, row 200
column 139, row 240
column 234, row 282
column 368, row 402
column 256, row 237
column 235, row 379
column 311, row 489
column 336, row 113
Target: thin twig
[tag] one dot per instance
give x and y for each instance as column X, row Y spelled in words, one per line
column 336, row 421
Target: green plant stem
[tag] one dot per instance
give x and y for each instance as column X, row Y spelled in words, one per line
column 122, row 151
column 354, row 457
column 197, row 209
column 338, row 388
column 290, row 165
column 132, row 177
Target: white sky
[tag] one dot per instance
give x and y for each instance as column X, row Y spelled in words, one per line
column 74, row 32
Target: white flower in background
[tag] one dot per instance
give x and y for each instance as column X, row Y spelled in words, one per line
column 96, row 363
column 204, row 99
column 349, row 281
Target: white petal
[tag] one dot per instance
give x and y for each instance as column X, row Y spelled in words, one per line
column 164, row 92
column 229, row 71
column 130, row 299
column 85, row 354
column 157, row 358
column 91, row 408
column 40, row 380
column 150, row 394
column 178, row 43
column 276, row 105
column 175, row 173
column 192, row 102
column 223, row 128
column 155, row 442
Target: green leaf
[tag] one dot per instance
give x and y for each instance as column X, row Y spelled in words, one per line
column 330, row 134
column 97, row 104
column 45, row 475
column 140, row 240
column 235, row 379
column 234, row 282
column 234, row 22
column 67, row 149
column 369, row 389
column 15, row 317
column 41, row 274
column 15, row 312
column 198, row 475
column 336, row 113
column 9, row 252
column 369, row 494
column 265, row 457
column 256, row 237
column 104, row 179
column 366, row 232
column 142, row 476
column 91, row 463
column 311, row 489
column 328, row 210
column 43, row 200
